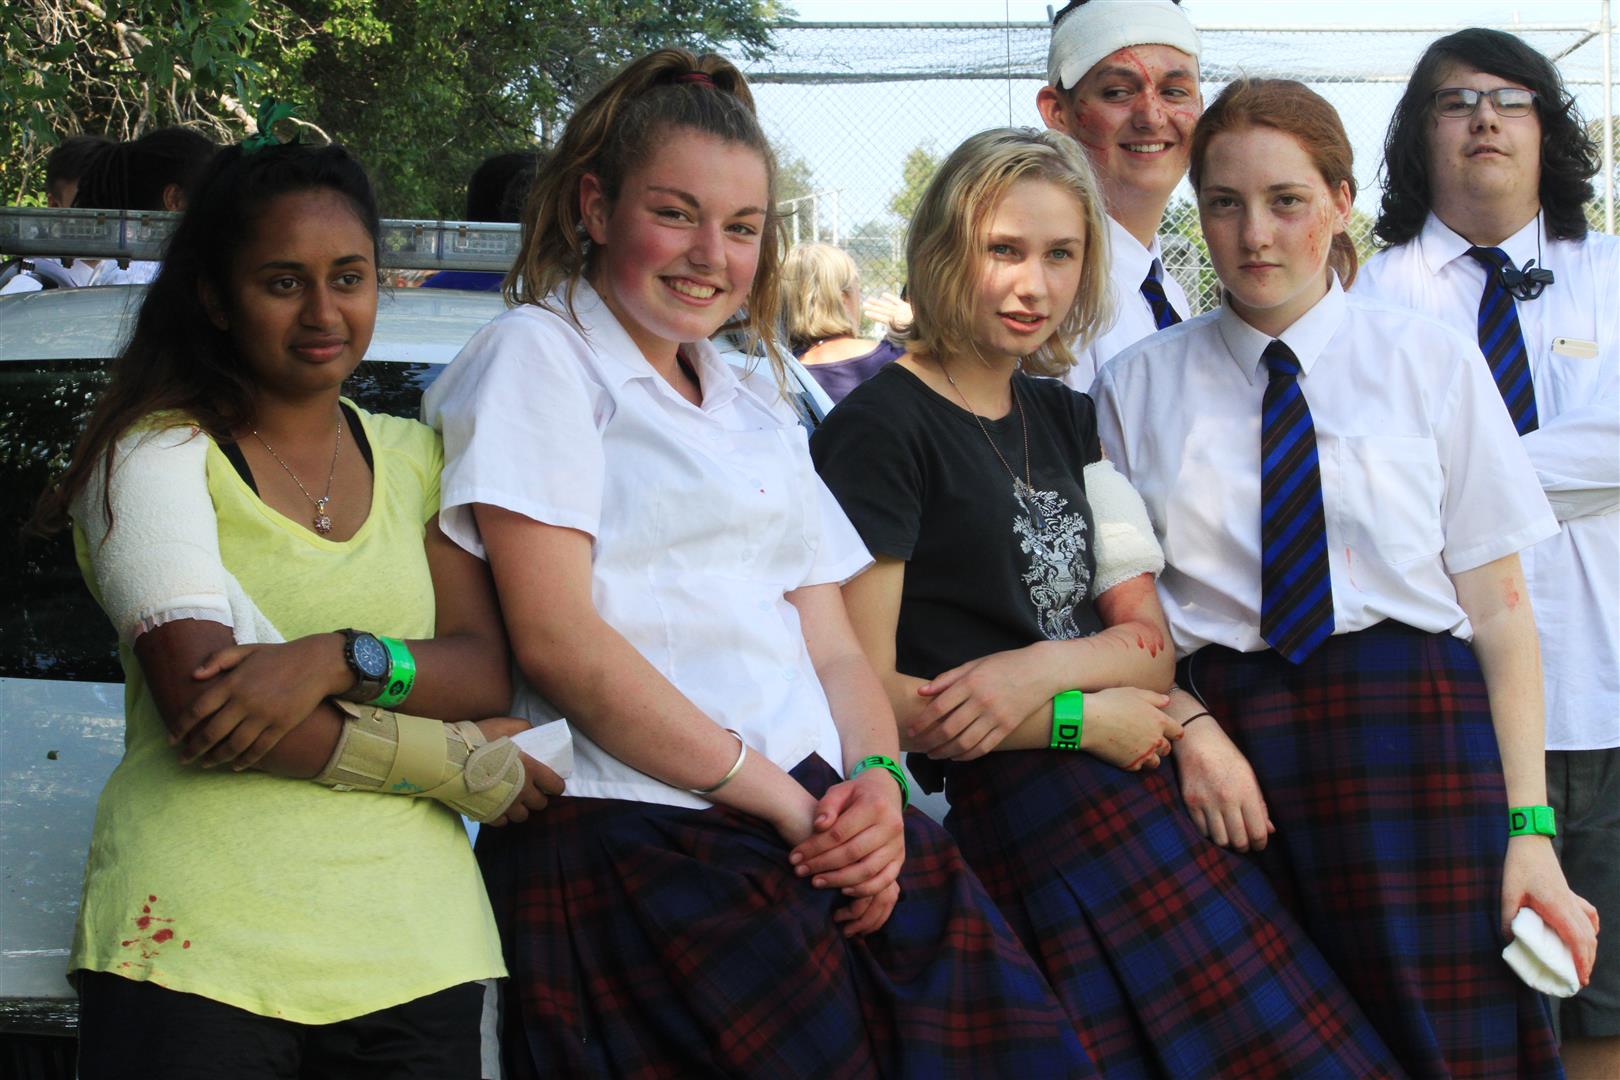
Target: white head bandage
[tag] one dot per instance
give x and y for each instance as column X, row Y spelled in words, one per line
column 1090, row 33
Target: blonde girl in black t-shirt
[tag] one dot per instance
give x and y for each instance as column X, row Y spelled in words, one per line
column 1028, row 668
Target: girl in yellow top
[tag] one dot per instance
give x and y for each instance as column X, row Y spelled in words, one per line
column 239, row 920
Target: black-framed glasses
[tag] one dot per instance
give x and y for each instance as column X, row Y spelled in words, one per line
column 1460, row 101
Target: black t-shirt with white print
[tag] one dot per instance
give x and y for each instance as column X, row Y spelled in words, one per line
column 987, row 569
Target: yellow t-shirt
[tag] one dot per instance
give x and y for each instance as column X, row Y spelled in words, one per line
column 278, row 896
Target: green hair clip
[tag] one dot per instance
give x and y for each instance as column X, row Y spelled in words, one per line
column 271, row 113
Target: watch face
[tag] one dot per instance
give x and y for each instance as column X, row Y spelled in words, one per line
column 370, row 657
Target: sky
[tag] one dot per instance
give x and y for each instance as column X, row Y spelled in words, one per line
column 854, row 136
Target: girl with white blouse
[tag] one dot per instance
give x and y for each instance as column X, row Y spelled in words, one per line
column 1341, row 500
column 718, row 892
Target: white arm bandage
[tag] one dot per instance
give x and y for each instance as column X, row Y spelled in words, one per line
column 1125, row 542
column 160, row 559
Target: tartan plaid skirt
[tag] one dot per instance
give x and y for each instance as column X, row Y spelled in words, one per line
column 1173, row 957
column 656, row 941
column 1380, row 768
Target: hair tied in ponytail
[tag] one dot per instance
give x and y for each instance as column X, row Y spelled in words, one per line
column 698, row 78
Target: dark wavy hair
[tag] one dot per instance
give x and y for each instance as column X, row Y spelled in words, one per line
column 1569, row 156
column 177, row 362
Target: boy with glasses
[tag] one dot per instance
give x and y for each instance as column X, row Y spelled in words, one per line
column 1488, row 170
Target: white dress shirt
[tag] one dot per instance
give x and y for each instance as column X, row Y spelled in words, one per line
column 1422, row 475
column 1572, row 337
column 1133, row 317
column 702, row 518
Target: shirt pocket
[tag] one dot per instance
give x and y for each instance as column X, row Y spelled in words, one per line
column 1391, row 488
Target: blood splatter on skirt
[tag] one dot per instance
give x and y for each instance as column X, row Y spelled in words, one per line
column 656, row 941
column 1380, row 768
column 1173, row 957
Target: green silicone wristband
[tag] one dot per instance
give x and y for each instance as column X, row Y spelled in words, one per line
column 401, row 674
column 1531, row 821
column 888, row 765
column 1068, row 720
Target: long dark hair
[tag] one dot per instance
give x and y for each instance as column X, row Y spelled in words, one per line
column 1569, row 157
column 177, row 363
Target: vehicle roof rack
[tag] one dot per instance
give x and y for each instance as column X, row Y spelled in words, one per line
column 125, row 235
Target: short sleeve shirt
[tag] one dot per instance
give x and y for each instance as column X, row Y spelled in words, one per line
column 702, row 518
column 1422, row 474
column 988, row 568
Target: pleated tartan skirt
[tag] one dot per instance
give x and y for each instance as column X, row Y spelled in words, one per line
column 656, row 941
column 1380, row 768
column 1173, row 957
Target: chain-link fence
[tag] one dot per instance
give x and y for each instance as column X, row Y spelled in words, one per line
column 860, row 111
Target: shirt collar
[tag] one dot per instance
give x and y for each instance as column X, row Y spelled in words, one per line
column 621, row 359
column 1308, row 337
column 1131, row 260
column 1441, row 245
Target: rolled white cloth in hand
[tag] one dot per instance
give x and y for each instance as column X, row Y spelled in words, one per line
column 551, row 744
column 1540, row 957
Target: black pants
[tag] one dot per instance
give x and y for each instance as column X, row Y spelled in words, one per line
column 132, row 1030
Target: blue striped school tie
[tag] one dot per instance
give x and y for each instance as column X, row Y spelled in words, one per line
column 1164, row 316
column 1296, row 588
column 1501, row 339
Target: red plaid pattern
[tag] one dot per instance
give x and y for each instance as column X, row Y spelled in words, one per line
column 654, row 941
column 1380, row 767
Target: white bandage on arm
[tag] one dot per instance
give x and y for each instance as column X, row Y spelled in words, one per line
column 158, row 559
column 1125, row 544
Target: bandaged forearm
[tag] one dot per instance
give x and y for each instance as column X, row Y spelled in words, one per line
column 157, row 558
column 1125, row 543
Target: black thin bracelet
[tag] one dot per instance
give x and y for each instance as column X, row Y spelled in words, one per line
column 1197, row 716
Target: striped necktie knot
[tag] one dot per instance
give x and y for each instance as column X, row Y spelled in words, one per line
column 1501, row 339
column 1280, row 359
column 1296, row 587
column 1164, row 316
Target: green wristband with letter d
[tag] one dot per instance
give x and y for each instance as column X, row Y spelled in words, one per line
column 1068, row 720
column 1531, row 821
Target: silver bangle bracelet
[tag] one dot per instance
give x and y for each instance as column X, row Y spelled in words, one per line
column 731, row 773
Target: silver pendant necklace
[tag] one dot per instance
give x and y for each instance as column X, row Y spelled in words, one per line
column 1024, row 489
column 322, row 521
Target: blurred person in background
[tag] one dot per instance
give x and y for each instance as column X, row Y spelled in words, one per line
column 152, row 172
column 1122, row 80
column 495, row 193
column 821, row 305
column 1488, row 169
column 64, row 166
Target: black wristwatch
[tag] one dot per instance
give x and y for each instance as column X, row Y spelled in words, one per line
column 368, row 659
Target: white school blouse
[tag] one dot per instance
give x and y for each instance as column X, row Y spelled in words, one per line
column 1422, row 473
column 1574, row 576
column 1133, row 318
column 702, row 519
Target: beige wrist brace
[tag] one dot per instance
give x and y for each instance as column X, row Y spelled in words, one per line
column 398, row 754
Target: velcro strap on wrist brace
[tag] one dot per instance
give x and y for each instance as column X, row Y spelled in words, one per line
column 396, row 753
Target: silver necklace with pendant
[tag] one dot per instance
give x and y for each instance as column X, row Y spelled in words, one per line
column 322, row 521
column 1023, row 489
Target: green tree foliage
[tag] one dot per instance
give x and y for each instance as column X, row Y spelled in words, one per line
column 420, row 90
column 915, row 172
